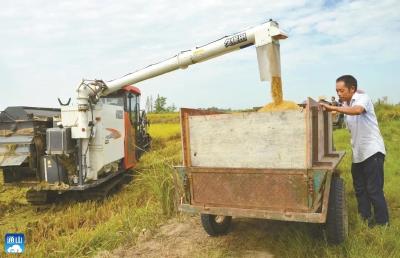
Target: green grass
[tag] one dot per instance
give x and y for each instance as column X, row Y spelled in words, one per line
column 165, row 131
column 163, row 118
column 387, row 112
column 82, row 229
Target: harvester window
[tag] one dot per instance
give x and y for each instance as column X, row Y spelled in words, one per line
column 132, row 107
column 116, row 101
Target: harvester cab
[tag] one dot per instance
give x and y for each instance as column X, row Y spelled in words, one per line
column 138, row 140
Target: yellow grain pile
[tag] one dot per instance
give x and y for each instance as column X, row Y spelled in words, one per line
column 285, row 105
column 278, row 103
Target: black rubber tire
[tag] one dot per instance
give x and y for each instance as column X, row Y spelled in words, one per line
column 337, row 221
column 213, row 224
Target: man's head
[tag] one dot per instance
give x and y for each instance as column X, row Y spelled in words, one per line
column 346, row 86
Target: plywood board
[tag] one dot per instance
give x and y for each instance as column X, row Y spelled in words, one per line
column 184, row 117
column 249, row 140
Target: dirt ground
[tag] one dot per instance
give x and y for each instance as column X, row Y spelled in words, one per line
column 185, row 237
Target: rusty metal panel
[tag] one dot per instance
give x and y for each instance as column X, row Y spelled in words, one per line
column 256, row 189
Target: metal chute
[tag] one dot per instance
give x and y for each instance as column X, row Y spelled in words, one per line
column 269, row 63
column 22, row 138
column 14, row 150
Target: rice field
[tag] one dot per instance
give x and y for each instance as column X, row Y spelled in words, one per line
column 82, row 229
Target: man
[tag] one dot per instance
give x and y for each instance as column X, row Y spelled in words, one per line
column 368, row 149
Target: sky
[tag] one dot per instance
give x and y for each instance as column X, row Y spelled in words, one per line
column 48, row 47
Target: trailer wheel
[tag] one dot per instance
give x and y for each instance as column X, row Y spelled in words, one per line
column 337, row 220
column 216, row 225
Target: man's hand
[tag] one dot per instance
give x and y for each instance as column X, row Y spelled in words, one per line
column 327, row 107
column 351, row 111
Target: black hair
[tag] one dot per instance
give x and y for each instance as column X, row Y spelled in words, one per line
column 349, row 81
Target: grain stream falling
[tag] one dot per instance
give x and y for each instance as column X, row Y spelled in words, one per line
column 278, row 103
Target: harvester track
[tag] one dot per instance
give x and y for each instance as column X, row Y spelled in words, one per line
column 97, row 193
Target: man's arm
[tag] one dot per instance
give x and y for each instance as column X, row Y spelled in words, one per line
column 351, row 111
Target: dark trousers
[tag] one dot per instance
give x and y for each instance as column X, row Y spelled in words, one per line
column 368, row 186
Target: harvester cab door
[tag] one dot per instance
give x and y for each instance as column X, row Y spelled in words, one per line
column 134, row 109
column 137, row 139
column 131, row 121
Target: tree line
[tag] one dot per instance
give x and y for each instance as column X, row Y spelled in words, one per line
column 159, row 105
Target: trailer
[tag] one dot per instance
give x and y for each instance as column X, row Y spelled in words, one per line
column 269, row 165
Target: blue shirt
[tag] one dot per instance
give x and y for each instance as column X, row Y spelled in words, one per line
column 366, row 139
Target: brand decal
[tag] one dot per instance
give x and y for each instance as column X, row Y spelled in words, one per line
column 113, row 134
column 236, row 39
